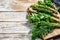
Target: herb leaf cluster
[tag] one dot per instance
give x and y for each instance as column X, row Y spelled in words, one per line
column 44, row 17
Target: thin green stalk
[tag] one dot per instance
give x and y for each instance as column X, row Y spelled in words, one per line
column 55, row 11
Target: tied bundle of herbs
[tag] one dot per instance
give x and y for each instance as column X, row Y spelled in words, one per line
column 45, row 18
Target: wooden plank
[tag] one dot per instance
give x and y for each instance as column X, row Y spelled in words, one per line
column 14, row 27
column 13, row 16
column 20, row 35
column 15, row 37
column 14, row 5
column 28, row 1
column 55, row 33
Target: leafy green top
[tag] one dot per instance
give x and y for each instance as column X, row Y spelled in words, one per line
column 43, row 18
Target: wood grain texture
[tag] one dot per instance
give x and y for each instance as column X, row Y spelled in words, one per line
column 14, row 27
column 13, row 16
column 15, row 31
column 15, row 37
column 13, row 22
column 14, row 5
column 19, row 35
column 27, row 1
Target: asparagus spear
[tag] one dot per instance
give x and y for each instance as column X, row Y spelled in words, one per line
column 46, row 7
column 40, row 16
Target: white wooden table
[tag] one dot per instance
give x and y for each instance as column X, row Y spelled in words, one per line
column 13, row 22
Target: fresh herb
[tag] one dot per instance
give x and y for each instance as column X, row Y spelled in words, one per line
column 44, row 17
